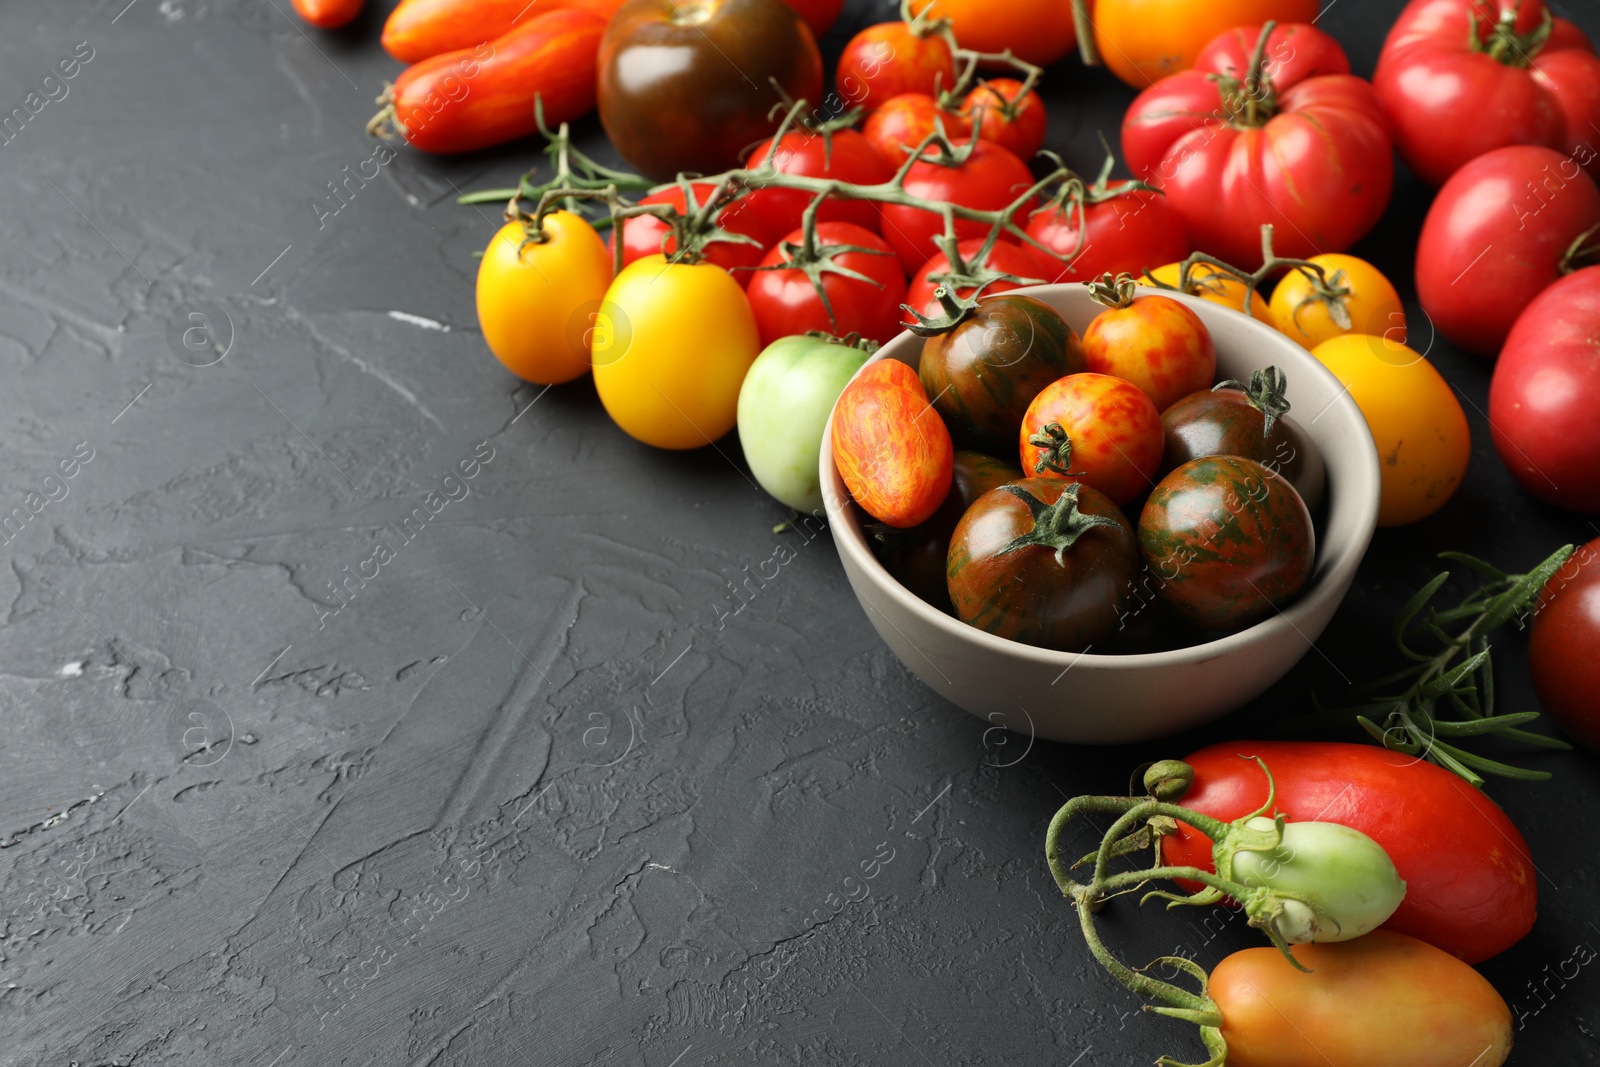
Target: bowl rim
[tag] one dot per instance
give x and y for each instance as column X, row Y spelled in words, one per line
column 1331, row 574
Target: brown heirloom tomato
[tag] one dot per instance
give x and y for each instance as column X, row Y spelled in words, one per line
column 1153, row 341
column 890, row 447
column 674, row 95
column 1096, row 429
column 917, row 558
column 1042, row 561
column 1228, row 539
column 983, row 374
column 1249, row 422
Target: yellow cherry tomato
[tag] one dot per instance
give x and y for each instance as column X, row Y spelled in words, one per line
column 1354, row 298
column 1208, row 284
column 671, row 345
column 1416, row 422
column 534, row 297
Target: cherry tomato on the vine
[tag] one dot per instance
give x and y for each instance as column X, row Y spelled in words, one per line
column 1116, row 230
column 1354, row 297
column 1002, row 258
column 1036, row 31
column 786, row 302
column 981, row 176
column 1095, row 429
column 646, row 235
column 892, row 58
column 890, row 447
column 1006, row 115
column 906, row 120
column 536, row 299
column 843, row 155
column 1208, row 283
column 1156, row 343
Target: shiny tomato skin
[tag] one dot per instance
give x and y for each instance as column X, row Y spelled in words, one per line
column 1003, row 257
column 1027, row 594
column 1320, row 169
column 906, row 120
column 1561, row 644
column 418, row 29
column 1572, row 75
column 918, row 560
column 469, row 99
column 1542, row 395
column 1450, row 102
column 1157, row 344
column 1223, row 422
column 984, row 373
column 328, row 14
column 849, row 158
column 891, row 448
column 1472, row 887
column 989, row 179
column 646, row 235
column 1494, row 239
column 786, row 303
column 1022, row 133
column 673, row 92
column 1229, row 540
column 888, row 59
column 1036, row 31
column 1295, row 51
column 1127, row 234
column 819, row 15
column 1143, row 41
column 1114, row 428
column 1383, row 1000
column 528, row 295
column 1369, row 301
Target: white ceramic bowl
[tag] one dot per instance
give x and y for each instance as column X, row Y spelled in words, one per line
column 1108, row 699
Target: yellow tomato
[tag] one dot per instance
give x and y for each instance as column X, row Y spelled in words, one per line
column 1142, row 41
column 672, row 343
column 534, row 297
column 1416, row 422
column 1355, row 291
column 1206, row 283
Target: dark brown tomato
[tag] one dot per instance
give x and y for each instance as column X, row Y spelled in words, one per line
column 1224, row 422
column 1044, row 561
column 1228, row 540
column 674, row 92
column 983, row 374
column 916, row 557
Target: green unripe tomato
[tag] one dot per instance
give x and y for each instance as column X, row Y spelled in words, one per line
column 783, row 410
column 1345, row 879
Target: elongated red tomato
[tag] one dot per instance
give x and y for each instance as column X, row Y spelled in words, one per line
column 1470, row 879
column 418, row 29
column 1383, row 1000
column 465, row 100
column 328, row 14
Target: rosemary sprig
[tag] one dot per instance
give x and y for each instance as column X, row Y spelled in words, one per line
column 1446, row 696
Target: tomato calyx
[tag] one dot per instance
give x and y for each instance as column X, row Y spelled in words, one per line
column 921, row 24
column 1500, row 41
column 1330, row 291
column 955, row 312
column 1055, row 526
column 1584, row 251
column 1250, row 101
column 1271, row 264
column 1056, row 456
column 1114, row 291
column 849, row 340
column 815, row 261
column 1267, row 393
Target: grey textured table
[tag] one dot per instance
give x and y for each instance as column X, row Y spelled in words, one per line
column 525, row 796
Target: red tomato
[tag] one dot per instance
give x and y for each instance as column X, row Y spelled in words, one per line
column 1471, row 886
column 1295, row 51
column 849, row 157
column 417, row 29
column 891, row 447
column 1157, row 344
column 1495, row 237
column 820, row 15
column 1007, row 116
column 889, row 59
column 1002, row 258
column 987, row 179
column 1113, row 430
column 1123, row 231
column 1311, row 157
column 1565, row 633
column 328, row 14
column 1457, row 84
column 1036, row 31
column 1542, row 395
column 786, row 303
column 470, row 99
column 646, row 235
column 905, row 121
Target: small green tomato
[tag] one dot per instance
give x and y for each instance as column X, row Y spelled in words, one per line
column 783, row 410
column 1328, row 882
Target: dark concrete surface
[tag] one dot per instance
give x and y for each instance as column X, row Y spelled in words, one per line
column 526, row 798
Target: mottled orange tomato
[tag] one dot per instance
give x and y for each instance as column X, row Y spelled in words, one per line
column 1094, row 429
column 1153, row 341
column 890, row 446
